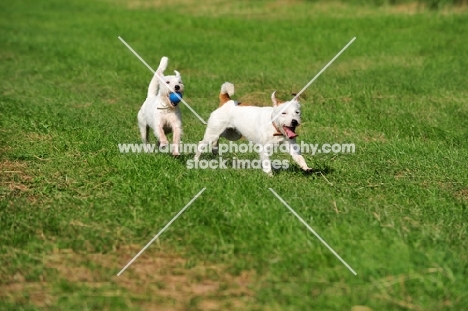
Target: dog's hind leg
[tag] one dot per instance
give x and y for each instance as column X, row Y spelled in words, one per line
column 144, row 132
column 214, row 149
column 211, row 137
column 144, row 129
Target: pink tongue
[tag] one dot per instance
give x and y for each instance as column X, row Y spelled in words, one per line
column 289, row 132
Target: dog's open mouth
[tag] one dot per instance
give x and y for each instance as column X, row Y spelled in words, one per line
column 290, row 131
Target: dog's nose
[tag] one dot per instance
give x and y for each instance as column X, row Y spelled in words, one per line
column 177, row 87
column 294, row 122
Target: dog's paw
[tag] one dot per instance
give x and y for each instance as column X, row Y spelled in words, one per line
column 269, row 173
column 176, row 154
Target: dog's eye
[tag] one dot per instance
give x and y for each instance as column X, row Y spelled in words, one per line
column 168, row 82
column 298, row 112
column 283, row 113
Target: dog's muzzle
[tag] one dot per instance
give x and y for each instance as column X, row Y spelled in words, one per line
column 290, row 131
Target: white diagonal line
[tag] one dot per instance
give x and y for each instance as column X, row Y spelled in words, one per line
column 160, row 232
column 136, row 54
column 324, row 68
column 160, row 79
column 316, row 76
column 312, row 230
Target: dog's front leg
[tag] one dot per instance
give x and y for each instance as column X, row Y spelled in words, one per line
column 177, row 132
column 266, row 163
column 295, row 152
column 159, row 133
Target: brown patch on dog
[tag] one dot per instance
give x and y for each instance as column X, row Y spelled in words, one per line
column 245, row 101
column 246, row 104
column 258, row 105
column 278, row 132
column 223, row 98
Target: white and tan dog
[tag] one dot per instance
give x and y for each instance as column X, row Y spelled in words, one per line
column 233, row 120
column 159, row 112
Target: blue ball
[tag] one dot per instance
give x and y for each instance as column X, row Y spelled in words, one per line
column 173, row 97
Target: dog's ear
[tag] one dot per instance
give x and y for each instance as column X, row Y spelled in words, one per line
column 177, row 73
column 276, row 101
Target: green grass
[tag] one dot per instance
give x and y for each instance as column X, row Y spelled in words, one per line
column 74, row 211
column 431, row 4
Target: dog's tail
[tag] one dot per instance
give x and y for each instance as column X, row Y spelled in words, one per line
column 153, row 88
column 227, row 90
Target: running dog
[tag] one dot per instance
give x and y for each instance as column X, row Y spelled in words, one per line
column 266, row 126
column 160, row 111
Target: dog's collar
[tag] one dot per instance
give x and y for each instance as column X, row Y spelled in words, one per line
column 278, row 133
column 163, row 106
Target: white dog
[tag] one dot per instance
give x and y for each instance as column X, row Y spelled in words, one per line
column 233, row 120
column 159, row 112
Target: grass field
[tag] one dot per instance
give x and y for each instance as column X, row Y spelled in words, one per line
column 74, row 210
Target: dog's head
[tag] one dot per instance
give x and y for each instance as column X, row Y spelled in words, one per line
column 169, row 84
column 286, row 116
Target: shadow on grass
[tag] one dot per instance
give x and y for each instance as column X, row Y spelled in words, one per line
column 317, row 171
column 293, row 169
